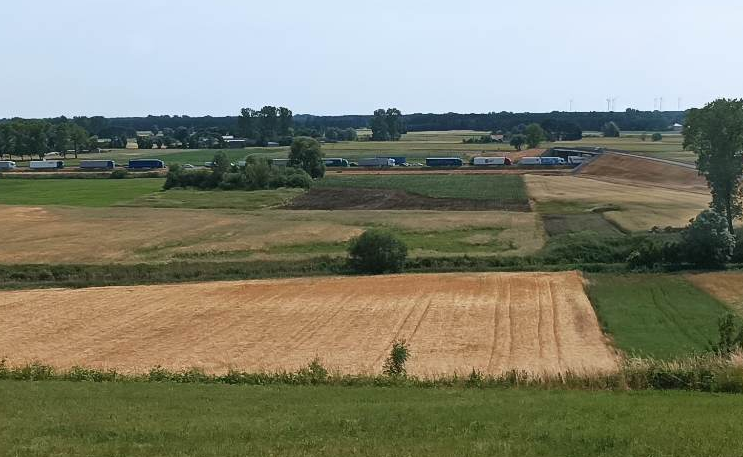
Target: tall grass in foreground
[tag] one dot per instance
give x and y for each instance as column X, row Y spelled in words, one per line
column 702, row 373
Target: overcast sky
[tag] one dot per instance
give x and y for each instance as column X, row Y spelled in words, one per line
column 197, row 57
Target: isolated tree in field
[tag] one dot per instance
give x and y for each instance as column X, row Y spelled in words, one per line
column 715, row 134
column 306, row 153
column 376, row 252
column 379, row 128
column 517, row 141
column 610, row 130
column 707, row 242
column 534, row 135
column 656, row 137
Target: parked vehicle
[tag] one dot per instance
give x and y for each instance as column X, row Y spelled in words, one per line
column 444, row 162
column 490, row 161
column 336, row 162
column 576, row 160
column 97, row 164
column 7, row 165
column 188, row 166
column 399, row 160
column 530, row 161
column 551, row 161
column 381, row 162
column 146, row 164
column 52, row 155
column 280, row 162
column 45, row 164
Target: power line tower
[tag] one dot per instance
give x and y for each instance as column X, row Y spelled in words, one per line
column 661, row 104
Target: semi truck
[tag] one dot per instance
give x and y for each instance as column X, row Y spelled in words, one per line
column 444, row 162
column 7, row 165
column 381, row 162
column 46, row 164
column 97, row 164
column 336, row 162
column 280, row 162
column 542, row 161
column 576, row 160
column 145, row 164
column 490, row 161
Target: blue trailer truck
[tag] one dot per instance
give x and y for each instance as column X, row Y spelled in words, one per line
column 444, row 162
column 145, row 164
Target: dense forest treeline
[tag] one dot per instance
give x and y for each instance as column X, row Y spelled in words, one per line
column 632, row 120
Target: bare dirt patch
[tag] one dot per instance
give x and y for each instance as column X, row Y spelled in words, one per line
column 726, row 287
column 492, row 322
column 324, row 198
column 635, row 170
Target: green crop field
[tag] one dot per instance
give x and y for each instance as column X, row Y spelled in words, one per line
column 662, row 316
column 215, row 199
column 75, row 192
column 118, row 419
column 505, row 188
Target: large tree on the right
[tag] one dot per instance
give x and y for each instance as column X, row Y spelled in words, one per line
column 715, row 134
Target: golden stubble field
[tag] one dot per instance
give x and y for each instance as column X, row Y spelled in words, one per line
column 641, row 206
column 454, row 323
column 725, row 286
column 131, row 235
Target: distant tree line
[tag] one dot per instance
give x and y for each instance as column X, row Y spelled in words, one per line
column 280, row 125
column 22, row 137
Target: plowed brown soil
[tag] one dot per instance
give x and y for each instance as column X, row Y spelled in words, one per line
column 539, row 322
column 727, row 287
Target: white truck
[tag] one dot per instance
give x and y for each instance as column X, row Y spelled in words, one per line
column 377, row 162
column 488, row 161
column 530, row 161
column 46, row 164
column 7, row 165
column 576, row 160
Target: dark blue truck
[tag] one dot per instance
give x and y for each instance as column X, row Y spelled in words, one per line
column 444, row 162
column 145, row 164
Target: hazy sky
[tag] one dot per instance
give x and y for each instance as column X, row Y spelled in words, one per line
column 139, row 57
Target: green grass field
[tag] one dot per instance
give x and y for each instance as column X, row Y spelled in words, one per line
column 126, row 419
column 215, row 199
column 75, row 192
column 506, row 188
column 662, row 316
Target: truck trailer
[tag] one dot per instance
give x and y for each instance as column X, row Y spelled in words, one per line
column 145, row 164
column 336, row 162
column 97, row 164
column 444, row 162
column 7, row 165
column 46, row 164
column 490, row 161
column 381, row 162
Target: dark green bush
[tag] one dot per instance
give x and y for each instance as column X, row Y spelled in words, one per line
column 394, row 365
column 656, row 137
column 376, row 252
column 707, row 241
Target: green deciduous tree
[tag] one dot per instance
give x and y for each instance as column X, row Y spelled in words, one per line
column 534, row 135
column 715, row 134
column 306, row 153
column 610, row 130
column 517, row 141
column 707, row 242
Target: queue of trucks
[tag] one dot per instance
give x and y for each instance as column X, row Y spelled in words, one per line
column 135, row 164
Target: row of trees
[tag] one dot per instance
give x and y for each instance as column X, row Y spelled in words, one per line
column 269, row 124
column 21, row 138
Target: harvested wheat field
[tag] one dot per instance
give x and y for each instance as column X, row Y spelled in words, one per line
column 644, row 171
column 634, row 207
column 726, row 287
column 539, row 322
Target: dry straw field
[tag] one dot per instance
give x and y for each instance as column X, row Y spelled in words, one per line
column 491, row 322
column 727, row 287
